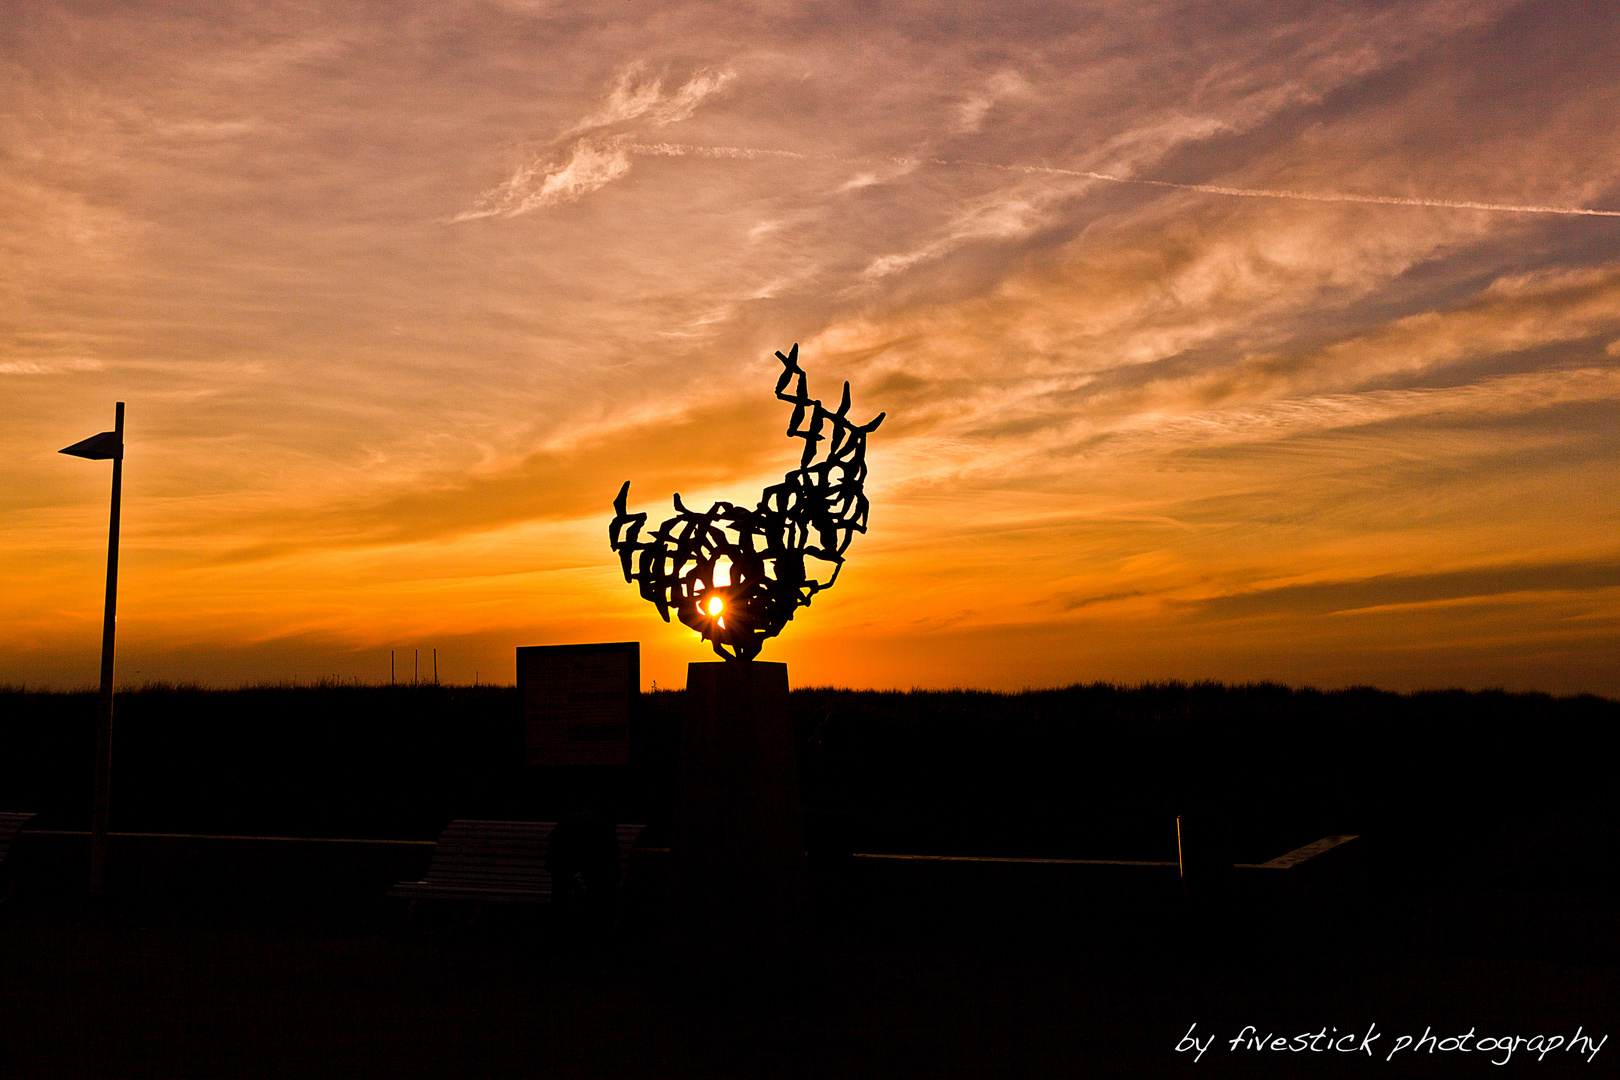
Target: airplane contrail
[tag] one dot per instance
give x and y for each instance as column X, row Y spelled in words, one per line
column 1283, row 193
column 685, row 150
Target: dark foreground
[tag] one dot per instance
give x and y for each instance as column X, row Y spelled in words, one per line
column 1491, row 824
column 125, row 989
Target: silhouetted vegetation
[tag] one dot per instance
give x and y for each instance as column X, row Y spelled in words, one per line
column 324, row 760
column 1435, row 778
column 1440, row 779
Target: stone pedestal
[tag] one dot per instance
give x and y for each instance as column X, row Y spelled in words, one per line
column 737, row 874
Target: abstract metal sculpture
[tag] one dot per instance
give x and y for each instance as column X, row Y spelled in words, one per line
column 736, row 576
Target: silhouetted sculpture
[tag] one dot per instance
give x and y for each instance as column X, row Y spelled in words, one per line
column 759, row 554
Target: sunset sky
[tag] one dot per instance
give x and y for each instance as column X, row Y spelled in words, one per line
column 1233, row 341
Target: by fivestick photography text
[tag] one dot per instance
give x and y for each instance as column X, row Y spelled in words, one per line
column 1370, row 1042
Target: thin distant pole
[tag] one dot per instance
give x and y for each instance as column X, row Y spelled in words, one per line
column 435, row 666
column 416, row 666
column 109, row 626
column 390, row 667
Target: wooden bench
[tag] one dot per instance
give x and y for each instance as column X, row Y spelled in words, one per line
column 9, row 824
column 503, row 861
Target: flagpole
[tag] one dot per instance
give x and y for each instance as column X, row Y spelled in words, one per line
column 98, row 813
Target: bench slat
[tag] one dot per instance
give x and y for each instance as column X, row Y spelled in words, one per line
column 496, row 860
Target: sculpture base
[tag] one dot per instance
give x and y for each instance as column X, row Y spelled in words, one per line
column 737, row 874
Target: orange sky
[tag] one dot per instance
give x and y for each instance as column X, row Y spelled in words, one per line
column 397, row 300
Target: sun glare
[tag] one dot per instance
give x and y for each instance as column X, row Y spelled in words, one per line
column 715, row 605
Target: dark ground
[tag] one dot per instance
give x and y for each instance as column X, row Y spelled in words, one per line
column 1491, row 821
column 128, row 990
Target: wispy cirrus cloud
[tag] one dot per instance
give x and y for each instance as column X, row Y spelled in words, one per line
column 1404, row 590
column 49, row 367
column 638, row 96
column 591, row 164
column 1496, row 398
column 597, row 158
column 1002, row 216
column 1003, row 85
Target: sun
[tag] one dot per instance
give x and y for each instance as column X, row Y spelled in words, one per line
column 714, row 605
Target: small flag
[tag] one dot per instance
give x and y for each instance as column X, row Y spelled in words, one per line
column 97, row 447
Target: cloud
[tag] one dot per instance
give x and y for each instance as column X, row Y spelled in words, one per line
column 1234, row 102
column 1332, row 597
column 697, row 451
column 999, row 216
column 1512, row 315
column 49, row 367
column 591, row 164
column 1108, row 326
column 595, row 160
column 638, row 97
column 966, row 420
column 970, row 113
column 1492, row 399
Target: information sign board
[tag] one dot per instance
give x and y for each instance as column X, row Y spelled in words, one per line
column 577, row 701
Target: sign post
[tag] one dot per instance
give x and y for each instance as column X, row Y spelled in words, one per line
column 108, row 444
